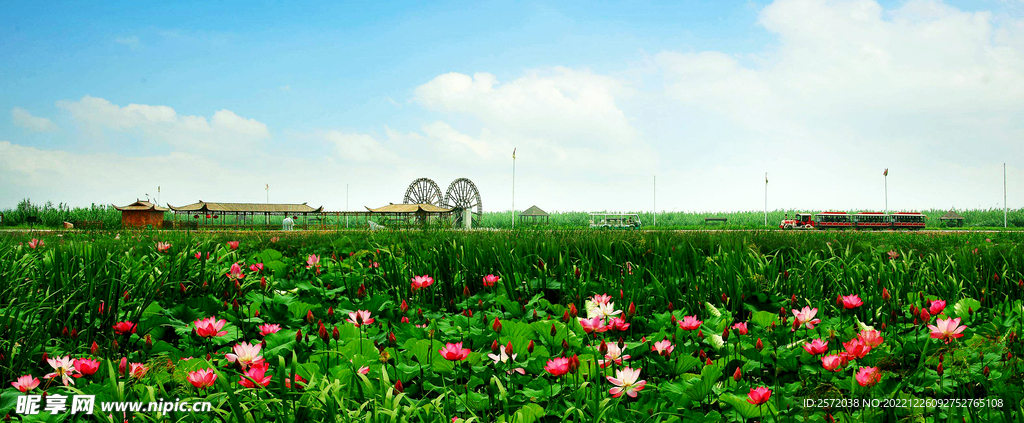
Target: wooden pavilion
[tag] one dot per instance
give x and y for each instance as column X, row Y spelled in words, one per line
column 406, row 213
column 142, row 214
column 219, row 215
column 534, row 215
column 952, row 219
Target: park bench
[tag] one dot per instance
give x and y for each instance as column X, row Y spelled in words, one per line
column 715, row 219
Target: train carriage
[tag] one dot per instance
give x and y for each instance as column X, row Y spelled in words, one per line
column 833, row 220
column 864, row 220
column 871, row 220
column 913, row 221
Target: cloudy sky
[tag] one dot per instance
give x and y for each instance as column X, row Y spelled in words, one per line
column 213, row 100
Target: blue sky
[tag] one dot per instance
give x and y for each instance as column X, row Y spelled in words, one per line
column 706, row 95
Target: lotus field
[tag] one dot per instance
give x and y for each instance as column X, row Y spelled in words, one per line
column 516, row 326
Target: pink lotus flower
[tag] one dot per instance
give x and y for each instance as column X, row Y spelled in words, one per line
column 198, row 255
column 268, row 328
column 871, row 338
column 256, row 374
column 86, row 366
column 26, row 383
column 275, row 239
column 856, row 349
column 454, row 352
column 313, row 261
column 163, row 247
column 203, row 378
column 233, row 245
column 759, row 395
column 557, row 366
column 593, row 325
column 236, row 272
column 663, row 347
column 420, row 282
column 363, row 370
column 64, row 368
column 625, row 381
column 137, row 370
column 614, row 355
column 361, row 317
column 741, row 328
column 805, row 318
column 601, row 299
column 831, row 362
column 300, row 381
column 36, row 243
column 256, row 268
column 947, row 329
column 490, row 280
column 851, row 301
column 816, row 347
column 245, row 354
column 618, row 324
column 893, row 255
column 690, row 323
column 210, row 326
column 868, row 376
column 936, row 307
column 125, row 328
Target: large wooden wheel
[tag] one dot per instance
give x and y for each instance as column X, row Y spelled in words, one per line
column 463, row 195
column 423, row 191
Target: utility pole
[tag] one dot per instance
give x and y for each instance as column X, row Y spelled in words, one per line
column 886, row 176
column 1004, row 195
column 766, row 198
column 655, row 200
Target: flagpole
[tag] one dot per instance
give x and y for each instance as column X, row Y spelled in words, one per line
column 766, row 198
column 655, row 200
column 1004, row 195
column 886, row 177
column 513, row 188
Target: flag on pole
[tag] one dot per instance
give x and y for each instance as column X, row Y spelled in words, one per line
column 886, row 173
column 514, row 153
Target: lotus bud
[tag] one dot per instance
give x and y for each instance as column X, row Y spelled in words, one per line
column 603, row 348
column 759, row 345
column 114, row 346
column 263, row 282
column 565, row 316
column 149, row 342
column 495, row 346
column 497, row 324
column 702, row 354
column 631, row 311
column 725, row 334
column 330, row 313
column 125, row 296
column 553, row 330
column 529, row 347
column 970, row 311
column 939, row 369
column 885, row 294
column 419, row 312
column 709, row 362
column 480, row 303
column 398, row 387
column 736, row 376
column 669, row 306
column 535, row 317
column 925, row 317
column 94, row 348
column 508, row 348
column 404, row 307
column 700, row 334
column 792, row 301
column 335, row 334
column 234, row 305
column 574, row 363
column 101, row 307
column 256, row 313
column 565, row 345
column 64, row 332
column 572, row 310
column 226, row 305
column 47, row 356
column 298, row 335
column 673, row 318
column 361, row 292
column 985, row 371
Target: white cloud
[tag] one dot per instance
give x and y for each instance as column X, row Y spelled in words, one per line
column 359, row 148
column 224, row 131
column 24, row 119
column 130, row 41
column 285, row 88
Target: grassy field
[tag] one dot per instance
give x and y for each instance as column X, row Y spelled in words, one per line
column 726, row 304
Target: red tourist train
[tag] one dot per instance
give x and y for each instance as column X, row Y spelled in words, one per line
column 843, row 220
